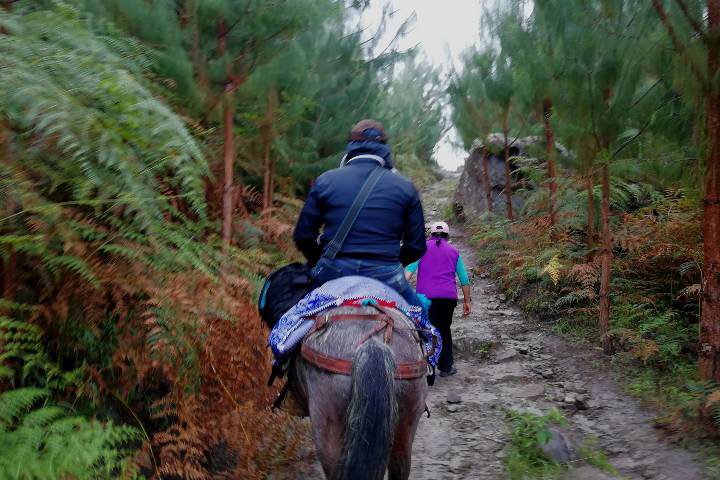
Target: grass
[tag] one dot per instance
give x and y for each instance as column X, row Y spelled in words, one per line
column 484, row 349
column 590, row 453
column 524, row 458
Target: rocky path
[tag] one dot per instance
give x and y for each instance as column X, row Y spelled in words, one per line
column 505, row 361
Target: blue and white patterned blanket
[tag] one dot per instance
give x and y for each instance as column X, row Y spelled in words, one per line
column 294, row 325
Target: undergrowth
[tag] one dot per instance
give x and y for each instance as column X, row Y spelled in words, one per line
column 654, row 291
column 130, row 344
column 524, row 457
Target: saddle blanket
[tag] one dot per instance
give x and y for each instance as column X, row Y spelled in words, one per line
column 295, row 324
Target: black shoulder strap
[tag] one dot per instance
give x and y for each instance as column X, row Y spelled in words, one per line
column 333, row 248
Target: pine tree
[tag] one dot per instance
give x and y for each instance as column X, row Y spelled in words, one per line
column 496, row 74
column 534, row 47
column 705, row 74
column 611, row 68
column 473, row 114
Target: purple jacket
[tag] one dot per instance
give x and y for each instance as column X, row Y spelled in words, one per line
column 436, row 270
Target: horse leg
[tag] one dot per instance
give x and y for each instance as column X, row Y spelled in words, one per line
column 327, row 402
column 328, row 429
column 411, row 406
column 400, row 457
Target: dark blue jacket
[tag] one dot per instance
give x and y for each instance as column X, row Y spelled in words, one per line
column 389, row 229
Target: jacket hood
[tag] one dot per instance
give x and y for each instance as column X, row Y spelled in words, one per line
column 371, row 147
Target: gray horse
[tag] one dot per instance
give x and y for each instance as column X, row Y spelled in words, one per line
column 364, row 423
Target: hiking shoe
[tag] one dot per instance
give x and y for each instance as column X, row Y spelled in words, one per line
column 452, row 371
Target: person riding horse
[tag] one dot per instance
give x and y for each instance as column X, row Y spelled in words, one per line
column 366, row 344
column 389, row 232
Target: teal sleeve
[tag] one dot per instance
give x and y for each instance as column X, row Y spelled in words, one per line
column 461, row 272
column 412, row 268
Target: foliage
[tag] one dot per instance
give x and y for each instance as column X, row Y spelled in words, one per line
column 657, row 267
column 47, row 443
column 626, row 108
column 524, row 458
column 117, row 296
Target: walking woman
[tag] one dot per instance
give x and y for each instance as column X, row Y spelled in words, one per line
column 436, row 272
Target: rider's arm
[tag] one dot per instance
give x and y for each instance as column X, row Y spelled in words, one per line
column 410, row 269
column 308, row 226
column 413, row 242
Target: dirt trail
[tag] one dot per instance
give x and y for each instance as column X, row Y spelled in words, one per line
column 527, row 368
column 532, row 369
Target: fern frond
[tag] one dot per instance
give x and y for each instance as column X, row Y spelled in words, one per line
column 553, row 268
column 14, row 403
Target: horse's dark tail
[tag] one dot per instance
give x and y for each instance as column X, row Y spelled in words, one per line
column 372, row 413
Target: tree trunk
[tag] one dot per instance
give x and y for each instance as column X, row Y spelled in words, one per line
column 710, row 303
column 605, row 262
column 590, row 186
column 508, row 179
column 228, row 162
column 486, row 179
column 267, row 143
column 550, row 151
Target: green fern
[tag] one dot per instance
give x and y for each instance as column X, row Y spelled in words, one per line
column 44, row 442
column 23, row 350
column 92, row 130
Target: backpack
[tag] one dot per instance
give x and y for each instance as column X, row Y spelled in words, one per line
column 283, row 288
column 287, row 285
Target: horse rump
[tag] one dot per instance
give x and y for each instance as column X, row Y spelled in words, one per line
column 372, row 413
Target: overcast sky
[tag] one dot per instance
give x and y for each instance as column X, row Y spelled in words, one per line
column 442, row 30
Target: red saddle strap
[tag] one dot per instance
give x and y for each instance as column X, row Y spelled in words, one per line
column 403, row 371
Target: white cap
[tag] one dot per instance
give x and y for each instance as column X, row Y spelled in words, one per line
column 440, row 227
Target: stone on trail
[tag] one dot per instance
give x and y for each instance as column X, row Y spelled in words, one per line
column 530, row 391
column 582, row 402
column 558, row 396
column 505, row 355
column 577, row 400
column 560, row 447
column 577, row 387
column 453, row 397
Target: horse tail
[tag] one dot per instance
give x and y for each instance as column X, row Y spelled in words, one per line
column 372, row 413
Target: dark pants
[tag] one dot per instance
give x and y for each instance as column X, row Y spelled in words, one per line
column 441, row 315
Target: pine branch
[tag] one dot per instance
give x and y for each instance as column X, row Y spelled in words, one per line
column 679, row 47
column 691, row 20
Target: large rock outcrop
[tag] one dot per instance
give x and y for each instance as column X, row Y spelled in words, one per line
column 469, row 199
